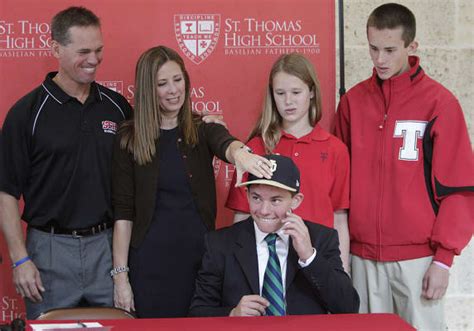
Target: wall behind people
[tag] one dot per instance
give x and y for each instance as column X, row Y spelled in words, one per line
column 445, row 32
column 228, row 48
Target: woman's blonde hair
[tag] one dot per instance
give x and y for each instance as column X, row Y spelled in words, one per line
column 140, row 135
column 269, row 123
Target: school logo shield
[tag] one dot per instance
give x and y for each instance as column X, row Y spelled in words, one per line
column 197, row 34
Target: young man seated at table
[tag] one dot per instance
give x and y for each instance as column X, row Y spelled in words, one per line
column 273, row 263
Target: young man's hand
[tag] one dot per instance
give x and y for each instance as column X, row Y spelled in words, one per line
column 250, row 305
column 294, row 226
column 435, row 282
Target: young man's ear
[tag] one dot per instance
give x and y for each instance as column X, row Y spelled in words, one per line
column 412, row 47
column 296, row 200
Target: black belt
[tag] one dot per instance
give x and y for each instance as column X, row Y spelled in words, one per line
column 74, row 232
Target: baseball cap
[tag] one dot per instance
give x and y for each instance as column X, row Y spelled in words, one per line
column 285, row 174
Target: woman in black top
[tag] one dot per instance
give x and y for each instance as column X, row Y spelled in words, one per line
column 163, row 189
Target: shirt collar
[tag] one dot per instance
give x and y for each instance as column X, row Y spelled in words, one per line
column 317, row 134
column 60, row 96
column 260, row 235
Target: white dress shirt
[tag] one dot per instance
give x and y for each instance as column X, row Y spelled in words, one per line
column 281, row 245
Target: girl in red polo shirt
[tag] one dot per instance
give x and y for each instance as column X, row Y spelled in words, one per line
column 288, row 125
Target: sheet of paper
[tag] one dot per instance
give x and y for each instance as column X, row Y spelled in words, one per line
column 61, row 326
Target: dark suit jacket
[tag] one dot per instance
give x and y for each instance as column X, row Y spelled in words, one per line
column 230, row 270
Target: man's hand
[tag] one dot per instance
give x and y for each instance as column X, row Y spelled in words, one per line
column 250, row 305
column 218, row 119
column 435, row 282
column 294, row 226
column 27, row 280
column 123, row 295
column 26, row 277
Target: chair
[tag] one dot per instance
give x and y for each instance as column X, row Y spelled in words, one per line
column 85, row 313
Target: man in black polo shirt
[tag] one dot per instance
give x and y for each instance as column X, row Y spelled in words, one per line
column 56, row 153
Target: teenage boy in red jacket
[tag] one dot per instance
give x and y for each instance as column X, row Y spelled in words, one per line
column 412, row 184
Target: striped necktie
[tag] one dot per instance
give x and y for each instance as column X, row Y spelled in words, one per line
column 272, row 288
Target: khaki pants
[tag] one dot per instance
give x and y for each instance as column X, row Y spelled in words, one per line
column 395, row 287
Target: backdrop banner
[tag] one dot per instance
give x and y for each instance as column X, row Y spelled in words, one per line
column 228, row 47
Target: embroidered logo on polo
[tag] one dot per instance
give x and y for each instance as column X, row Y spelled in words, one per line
column 323, row 156
column 109, row 127
column 197, row 34
column 411, row 132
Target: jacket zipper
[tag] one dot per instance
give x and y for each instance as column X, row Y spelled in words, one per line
column 383, row 133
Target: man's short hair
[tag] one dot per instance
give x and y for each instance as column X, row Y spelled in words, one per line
column 392, row 16
column 72, row 16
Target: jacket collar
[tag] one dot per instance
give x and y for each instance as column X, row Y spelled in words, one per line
column 246, row 254
column 405, row 80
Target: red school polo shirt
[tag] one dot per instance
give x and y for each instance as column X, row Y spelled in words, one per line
column 323, row 161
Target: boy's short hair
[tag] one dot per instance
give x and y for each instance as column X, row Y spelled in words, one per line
column 392, row 16
column 67, row 18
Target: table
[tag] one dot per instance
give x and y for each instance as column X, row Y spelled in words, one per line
column 342, row 322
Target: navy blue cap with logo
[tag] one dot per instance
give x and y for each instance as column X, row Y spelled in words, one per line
column 285, row 174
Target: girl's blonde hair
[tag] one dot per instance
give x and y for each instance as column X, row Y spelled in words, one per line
column 269, row 123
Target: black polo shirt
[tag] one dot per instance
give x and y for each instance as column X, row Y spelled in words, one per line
column 57, row 152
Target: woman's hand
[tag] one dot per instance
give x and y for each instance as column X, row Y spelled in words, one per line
column 123, row 295
column 244, row 161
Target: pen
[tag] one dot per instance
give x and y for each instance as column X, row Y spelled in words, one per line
column 81, row 324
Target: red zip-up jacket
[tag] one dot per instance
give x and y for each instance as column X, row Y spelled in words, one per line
column 412, row 168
